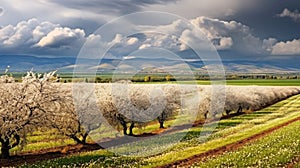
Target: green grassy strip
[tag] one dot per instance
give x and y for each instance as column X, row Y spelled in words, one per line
column 275, row 150
column 95, row 159
column 241, row 82
column 42, row 145
column 189, row 152
column 245, row 130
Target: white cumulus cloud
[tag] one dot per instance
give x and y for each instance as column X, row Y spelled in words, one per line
column 37, row 37
column 287, row 48
column 132, row 41
column 229, row 35
column 60, row 37
column 295, row 15
column 223, row 35
column 20, row 34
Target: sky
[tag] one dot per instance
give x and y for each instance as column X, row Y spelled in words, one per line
column 238, row 29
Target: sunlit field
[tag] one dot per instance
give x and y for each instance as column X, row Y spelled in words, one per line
column 148, row 125
column 227, row 132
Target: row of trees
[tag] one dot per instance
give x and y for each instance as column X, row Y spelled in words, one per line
column 39, row 102
column 244, row 99
column 137, row 104
column 25, row 106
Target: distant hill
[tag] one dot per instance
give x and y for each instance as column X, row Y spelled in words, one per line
column 21, row 63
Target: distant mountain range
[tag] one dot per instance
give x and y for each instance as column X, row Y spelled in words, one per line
column 21, row 63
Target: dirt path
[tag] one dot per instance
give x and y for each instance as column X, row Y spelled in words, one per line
column 293, row 162
column 47, row 154
column 196, row 158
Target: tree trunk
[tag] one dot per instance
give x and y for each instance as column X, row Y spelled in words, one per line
column 240, row 109
column 161, row 119
column 131, row 128
column 5, row 149
column 123, row 123
column 205, row 114
column 76, row 139
column 227, row 112
column 84, row 137
column 161, row 124
column 124, row 129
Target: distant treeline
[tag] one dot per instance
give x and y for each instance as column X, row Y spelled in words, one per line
column 108, row 78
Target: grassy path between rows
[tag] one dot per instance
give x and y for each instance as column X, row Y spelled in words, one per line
column 251, row 157
column 236, row 129
column 278, row 149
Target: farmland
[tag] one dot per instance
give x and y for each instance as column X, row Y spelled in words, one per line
column 268, row 80
column 244, row 82
column 156, row 124
column 228, row 131
column 274, row 150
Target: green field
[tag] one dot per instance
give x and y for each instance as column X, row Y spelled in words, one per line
column 160, row 79
column 243, row 82
column 264, row 82
column 274, row 150
column 228, row 131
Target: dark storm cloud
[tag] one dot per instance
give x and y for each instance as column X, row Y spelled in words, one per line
column 236, row 28
column 264, row 20
column 115, row 7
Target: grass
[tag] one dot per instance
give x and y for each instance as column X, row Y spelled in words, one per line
column 241, row 82
column 228, row 131
column 101, row 158
column 44, row 145
column 274, row 150
column 39, row 140
column 265, row 82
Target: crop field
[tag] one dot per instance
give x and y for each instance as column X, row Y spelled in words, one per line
column 244, row 82
column 260, row 82
column 46, row 124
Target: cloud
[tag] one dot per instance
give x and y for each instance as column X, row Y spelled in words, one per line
column 225, row 43
column 224, row 35
column 46, row 38
column 36, row 37
column 144, row 46
column 1, row 11
column 109, row 6
column 61, row 37
column 287, row 48
column 210, row 8
column 295, row 15
column 129, row 57
column 18, row 35
column 269, row 43
column 229, row 35
column 132, row 41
